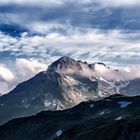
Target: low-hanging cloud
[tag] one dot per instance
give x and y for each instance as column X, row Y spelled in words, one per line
column 102, row 71
column 24, row 70
column 27, row 68
column 118, row 73
column 6, row 74
column 6, row 79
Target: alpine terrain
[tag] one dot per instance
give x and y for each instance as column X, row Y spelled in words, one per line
column 113, row 118
column 66, row 83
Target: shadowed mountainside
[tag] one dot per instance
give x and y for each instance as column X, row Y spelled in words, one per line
column 113, row 118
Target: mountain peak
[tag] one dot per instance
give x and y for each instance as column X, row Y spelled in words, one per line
column 66, row 59
column 64, row 63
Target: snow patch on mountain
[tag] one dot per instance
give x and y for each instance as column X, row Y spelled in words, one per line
column 118, row 118
column 59, row 133
column 70, row 80
column 124, row 104
column 51, row 104
column 101, row 113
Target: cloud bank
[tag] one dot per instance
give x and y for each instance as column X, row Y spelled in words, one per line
column 113, row 46
column 6, row 74
column 60, row 2
column 23, row 70
column 90, row 14
column 118, row 3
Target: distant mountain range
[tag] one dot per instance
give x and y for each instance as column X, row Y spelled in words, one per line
column 113, row 118
column 63, row 85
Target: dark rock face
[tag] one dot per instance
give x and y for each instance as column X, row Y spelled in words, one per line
column 113, row 118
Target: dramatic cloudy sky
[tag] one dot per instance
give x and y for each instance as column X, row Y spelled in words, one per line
column 34, row 33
